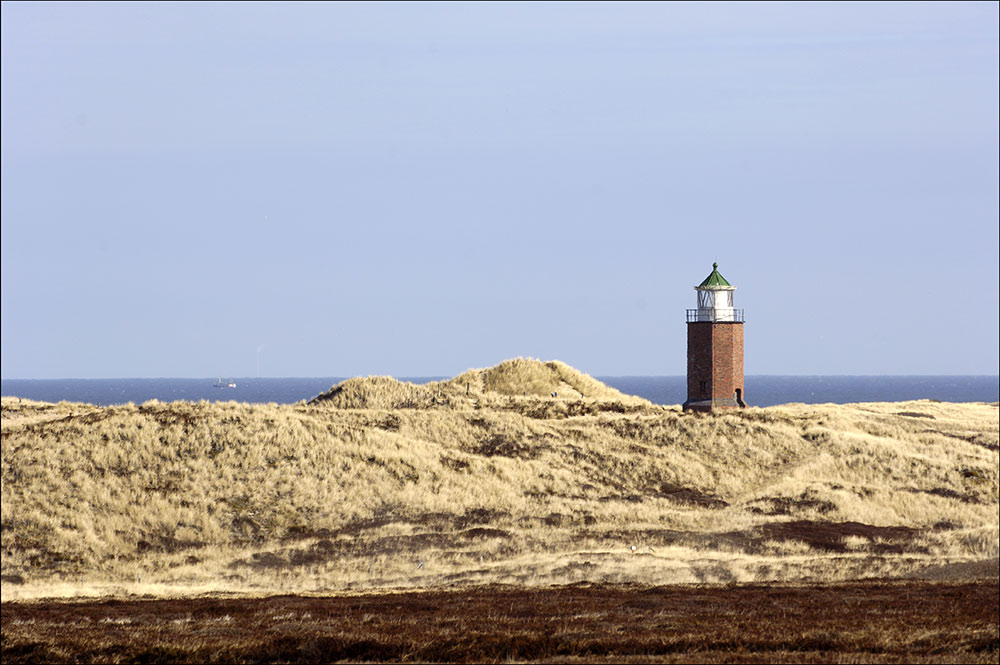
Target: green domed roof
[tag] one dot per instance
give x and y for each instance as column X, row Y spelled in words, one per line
column 715, row 279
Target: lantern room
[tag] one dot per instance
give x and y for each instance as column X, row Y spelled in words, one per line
column 715, row 300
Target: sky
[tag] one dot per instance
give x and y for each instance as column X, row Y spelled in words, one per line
column 195, row 190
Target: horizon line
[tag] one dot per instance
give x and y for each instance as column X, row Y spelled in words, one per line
column 442, row 376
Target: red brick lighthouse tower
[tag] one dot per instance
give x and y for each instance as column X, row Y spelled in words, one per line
column 715, row 347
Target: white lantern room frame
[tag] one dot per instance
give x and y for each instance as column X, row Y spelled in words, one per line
column 715, row 303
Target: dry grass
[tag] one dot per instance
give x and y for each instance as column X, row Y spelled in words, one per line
column 488, row 479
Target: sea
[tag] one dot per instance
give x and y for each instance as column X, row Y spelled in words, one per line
column 761, row 390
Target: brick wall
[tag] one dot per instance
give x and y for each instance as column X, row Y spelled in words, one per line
column 715, row 360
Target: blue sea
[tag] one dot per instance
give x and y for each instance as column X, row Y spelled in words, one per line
column 760, row 390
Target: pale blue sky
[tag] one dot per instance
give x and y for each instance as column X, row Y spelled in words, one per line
column 415, row 189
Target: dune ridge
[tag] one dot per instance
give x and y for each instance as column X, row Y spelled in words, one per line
column 517, row 377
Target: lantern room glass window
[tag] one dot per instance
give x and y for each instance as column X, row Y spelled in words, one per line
column 715, row 299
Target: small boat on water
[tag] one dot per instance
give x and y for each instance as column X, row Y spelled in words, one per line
column 227, row 384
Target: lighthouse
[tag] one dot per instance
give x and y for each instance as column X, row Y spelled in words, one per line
column 714, row 347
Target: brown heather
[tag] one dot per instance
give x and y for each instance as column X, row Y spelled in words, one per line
column 856, row 622
column 488, row 479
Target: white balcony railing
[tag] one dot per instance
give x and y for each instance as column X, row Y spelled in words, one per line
column 724, row 315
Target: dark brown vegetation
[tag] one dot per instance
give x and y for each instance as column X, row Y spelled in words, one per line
column 873, row 621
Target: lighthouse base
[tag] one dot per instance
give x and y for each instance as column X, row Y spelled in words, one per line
column 713, row 404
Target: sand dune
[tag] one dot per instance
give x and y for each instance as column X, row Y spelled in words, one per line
column 487, row 478
column 518, row 377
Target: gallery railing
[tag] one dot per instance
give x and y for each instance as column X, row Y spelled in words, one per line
column 715, row 315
